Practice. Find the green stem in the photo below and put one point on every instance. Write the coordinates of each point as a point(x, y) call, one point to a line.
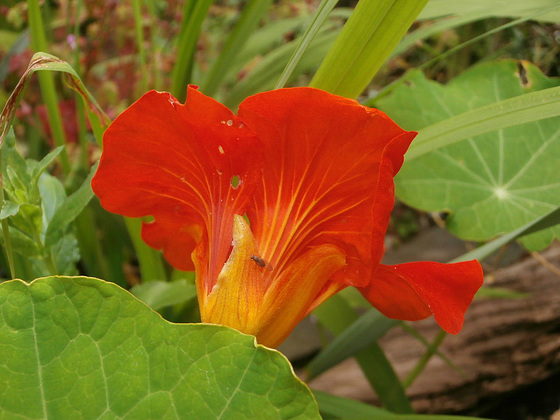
point(421, 364)
point(90, 249)
point(46, 254)
point(154, 51)
point(139, 30)
point(151, 265)
point(46, 82)
point(319, 18)
point(244, 27)
point(336, 314)
point(194, 13)
point(80, 109)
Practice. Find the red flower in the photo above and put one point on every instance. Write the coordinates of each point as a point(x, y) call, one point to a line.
point(312, 173)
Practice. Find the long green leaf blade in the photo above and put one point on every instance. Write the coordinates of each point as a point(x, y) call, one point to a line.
point(263, 75)
point(367, 39)
point(319, 18)
point(533, 106)
point(345, 408)
point(149, 259)
point(496, 8)
point(337, 315)
point(248, 21)
point(359, 335)
point(194, 13)
point(46, 82)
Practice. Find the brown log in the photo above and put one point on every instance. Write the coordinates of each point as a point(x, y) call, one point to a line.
point(506, 344)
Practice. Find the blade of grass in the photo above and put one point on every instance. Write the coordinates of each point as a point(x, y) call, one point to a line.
point(151, 265)
point(321, 14)
point(273, 35)
point(497, 29)
point(389, 88)
point(332, 406)
point(475, 14)
point(252, 13)
point(337, 315)
point(194, 13)
point(529, 107)
point(46, 82)
point(367, 329)
point(80, 109)
point(446, 23)
point(90, 248)
point(263, 75)
point(345, 408)
point(139, 33)
point(155, 50)
point(496, 8)
point(364, 44)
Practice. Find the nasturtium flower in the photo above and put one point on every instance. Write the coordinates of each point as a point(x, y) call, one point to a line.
point(276, 209)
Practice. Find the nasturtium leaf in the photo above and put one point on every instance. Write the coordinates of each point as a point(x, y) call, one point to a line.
point(82, 348)
point(491, 183)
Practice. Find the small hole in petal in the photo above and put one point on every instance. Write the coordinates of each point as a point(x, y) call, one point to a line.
point(235, 181)
point(229, 123)
point(221, 150)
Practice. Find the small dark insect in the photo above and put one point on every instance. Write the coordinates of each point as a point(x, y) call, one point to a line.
point(258, 260)
point(261, 263)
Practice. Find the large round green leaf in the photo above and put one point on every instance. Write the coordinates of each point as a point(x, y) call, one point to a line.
point(491, 183)
point(82, 348)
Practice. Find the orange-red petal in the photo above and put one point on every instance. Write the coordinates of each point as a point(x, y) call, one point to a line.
point(327, 179)
point(175, 162)
point(414, 291)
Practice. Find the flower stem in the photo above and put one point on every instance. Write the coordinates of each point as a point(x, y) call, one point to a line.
point(421, 364)
point(336, 314)
point(46, 82)
point(138, 26)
